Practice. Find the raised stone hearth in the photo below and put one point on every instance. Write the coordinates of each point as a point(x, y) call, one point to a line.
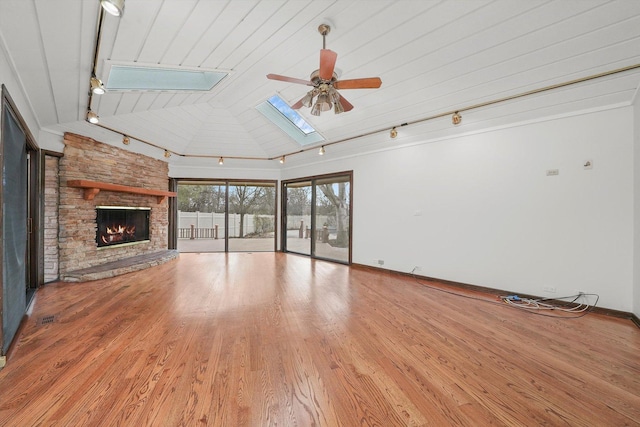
point(123, 266)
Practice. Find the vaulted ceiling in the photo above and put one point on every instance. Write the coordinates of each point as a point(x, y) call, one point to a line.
point(433, 57)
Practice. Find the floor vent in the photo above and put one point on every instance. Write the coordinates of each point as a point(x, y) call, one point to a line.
point(44, 320)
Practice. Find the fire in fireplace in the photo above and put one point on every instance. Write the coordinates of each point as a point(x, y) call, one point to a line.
point(117, 225)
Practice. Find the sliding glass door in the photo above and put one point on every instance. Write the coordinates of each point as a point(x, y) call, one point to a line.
point(19, 220)
point(317, 216)
point(297, 229)
point(252, 218)
point(226, 216)
point(332, 203)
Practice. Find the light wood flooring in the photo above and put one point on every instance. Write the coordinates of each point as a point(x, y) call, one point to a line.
point(269, 339)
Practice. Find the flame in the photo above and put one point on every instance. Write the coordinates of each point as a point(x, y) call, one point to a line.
point(118, 233)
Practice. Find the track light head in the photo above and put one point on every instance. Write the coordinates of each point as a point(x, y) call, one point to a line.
point(113, 7)
point(321, 152)
point(167, 153)
point(126, 140)
point(221, 161)
point(97, 88)
point(393, 133)
point(92, 117)
point(282, 159)
point(456, 119)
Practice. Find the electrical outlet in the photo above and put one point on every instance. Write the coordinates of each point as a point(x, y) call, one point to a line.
point(549, 289)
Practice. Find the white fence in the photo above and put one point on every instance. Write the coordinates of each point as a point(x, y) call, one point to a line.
point(205, 224)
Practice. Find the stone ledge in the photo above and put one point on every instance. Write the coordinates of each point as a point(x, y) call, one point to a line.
point(123, 266)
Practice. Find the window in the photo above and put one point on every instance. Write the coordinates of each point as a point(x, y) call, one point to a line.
point(279, 113)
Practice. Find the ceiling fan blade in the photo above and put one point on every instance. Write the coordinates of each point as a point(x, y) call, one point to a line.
point(289, 79)
point(345, 104)
point(366, 83)
point(327, 63)
point(297, 105)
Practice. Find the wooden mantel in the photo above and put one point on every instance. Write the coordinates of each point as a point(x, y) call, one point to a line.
point(91, 188)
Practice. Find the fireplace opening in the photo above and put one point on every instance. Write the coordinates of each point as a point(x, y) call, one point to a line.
point(118, 225)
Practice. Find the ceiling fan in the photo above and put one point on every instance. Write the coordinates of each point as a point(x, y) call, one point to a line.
point(325, 83)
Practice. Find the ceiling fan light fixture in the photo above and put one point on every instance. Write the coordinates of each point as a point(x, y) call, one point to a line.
point(92, 117)
point(334, 95)
point(97, 87)
point(315, 111)
point(307, 101)
point(324, 102)
point(113, 7)
point(338, 108)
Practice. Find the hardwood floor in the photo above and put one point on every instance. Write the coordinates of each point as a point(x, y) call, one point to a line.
point(272, 339)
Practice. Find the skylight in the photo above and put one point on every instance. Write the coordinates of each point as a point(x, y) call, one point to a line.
point(126, 77)
point(287, 119)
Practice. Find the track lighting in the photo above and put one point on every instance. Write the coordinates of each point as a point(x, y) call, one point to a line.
point(125, 140)
point(282, 159)
point(92, 117)
point(393, 132)
point(97, 87)
point(221, 161)
point(321, 152)
point(456, 118)
point(167, 153)
point(114, 7)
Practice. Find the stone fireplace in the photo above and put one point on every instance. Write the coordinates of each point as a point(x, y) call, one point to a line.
point(81, 209)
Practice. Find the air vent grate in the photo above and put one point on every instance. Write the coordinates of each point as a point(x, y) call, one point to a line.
point(44, 320)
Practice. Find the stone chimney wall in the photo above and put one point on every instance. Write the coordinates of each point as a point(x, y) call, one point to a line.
point(87, 159)
point(51, 202)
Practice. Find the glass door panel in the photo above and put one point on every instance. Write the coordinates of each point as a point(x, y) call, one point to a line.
point(201, 217)
point(298, 217)
point(252, 218)
point(332, 222)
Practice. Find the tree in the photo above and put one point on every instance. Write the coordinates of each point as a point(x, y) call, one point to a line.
point(340, 204)
point(242, 198)
point(201, 198)
point(298, 200)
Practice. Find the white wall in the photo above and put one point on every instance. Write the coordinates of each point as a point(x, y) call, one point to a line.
point(479, 208)
point(8, 78)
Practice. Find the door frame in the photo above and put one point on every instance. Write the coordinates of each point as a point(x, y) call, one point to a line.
point(283, 209)
point(226, 182)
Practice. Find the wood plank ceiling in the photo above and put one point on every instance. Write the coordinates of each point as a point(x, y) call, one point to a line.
point(432, 56)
